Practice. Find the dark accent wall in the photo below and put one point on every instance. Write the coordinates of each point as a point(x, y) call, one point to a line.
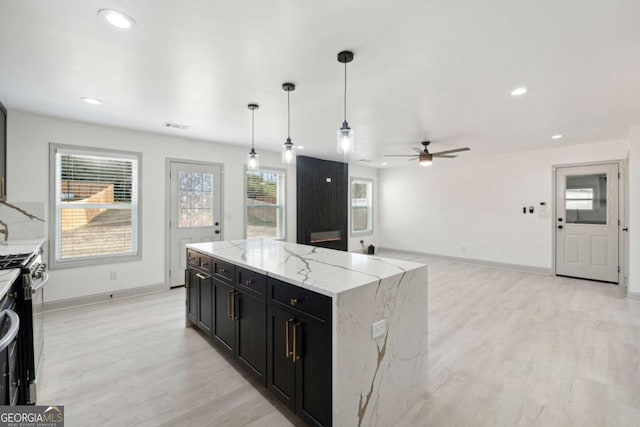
point(321, 205)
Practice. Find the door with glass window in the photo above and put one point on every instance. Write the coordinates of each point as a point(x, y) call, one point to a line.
point(196, 194)
point(587, 222)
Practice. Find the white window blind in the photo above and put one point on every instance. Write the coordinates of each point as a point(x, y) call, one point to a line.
point(361, 205)
point(265, 204)
point(96, 204)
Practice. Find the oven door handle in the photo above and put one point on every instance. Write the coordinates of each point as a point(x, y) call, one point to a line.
point(13, 329)
point(41, 284)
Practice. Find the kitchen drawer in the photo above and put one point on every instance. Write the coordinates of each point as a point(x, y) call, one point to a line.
point(224, 271)
point(252, 282)
point(205, 263)
point(304, 300)
point(192, 258)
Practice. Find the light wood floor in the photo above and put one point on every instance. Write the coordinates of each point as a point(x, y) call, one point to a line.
point(506, 349)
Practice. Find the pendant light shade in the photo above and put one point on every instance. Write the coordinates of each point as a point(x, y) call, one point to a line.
point(288, 149)
point(346, 138)
point(253, 159)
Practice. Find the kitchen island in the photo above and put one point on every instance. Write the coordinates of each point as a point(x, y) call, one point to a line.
point(346, 333)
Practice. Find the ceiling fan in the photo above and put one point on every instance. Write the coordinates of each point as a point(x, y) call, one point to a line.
point(425, 157)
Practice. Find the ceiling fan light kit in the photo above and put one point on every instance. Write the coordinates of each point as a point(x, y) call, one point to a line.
point(253, 159)
point(346, 138)
point(288, 149)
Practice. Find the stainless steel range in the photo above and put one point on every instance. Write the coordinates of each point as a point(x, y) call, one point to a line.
point(29, 306)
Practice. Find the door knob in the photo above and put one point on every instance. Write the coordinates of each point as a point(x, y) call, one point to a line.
point(217, 231)
point(560, 227)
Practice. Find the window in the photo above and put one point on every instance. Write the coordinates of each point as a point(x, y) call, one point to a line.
point(95, 205)
point(579, 198)
point(195, 193)
point(265, 204)
point(361, 206)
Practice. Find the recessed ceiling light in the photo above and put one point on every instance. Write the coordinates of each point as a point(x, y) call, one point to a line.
point(92, 101)
point(300, 147)
point(384, 163)
point(117, 19)
point(557, 136)
point(519, 91)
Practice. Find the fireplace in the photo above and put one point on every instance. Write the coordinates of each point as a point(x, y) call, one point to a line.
point(322, 203)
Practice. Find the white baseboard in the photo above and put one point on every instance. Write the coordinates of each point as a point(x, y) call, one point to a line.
point(102, 297)
point(503, 265)
point(633, 296)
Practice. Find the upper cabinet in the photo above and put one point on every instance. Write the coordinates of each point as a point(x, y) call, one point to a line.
point(3, 153)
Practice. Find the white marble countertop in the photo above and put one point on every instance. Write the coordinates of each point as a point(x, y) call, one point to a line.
point(15, 247)
point(325, 271)
point(7, 277)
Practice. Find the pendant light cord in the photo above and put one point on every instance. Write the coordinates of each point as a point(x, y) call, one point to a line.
point(253, 112)
point(345, 91)
point(288, 116)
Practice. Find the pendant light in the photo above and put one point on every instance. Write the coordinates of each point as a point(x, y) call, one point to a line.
point(288, 149)
point(253, 160)
point(346, 138)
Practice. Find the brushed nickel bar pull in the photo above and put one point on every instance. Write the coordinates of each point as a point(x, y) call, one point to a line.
point(2, 189)
point(202, 276)
point(287, 351)
point(229, 304)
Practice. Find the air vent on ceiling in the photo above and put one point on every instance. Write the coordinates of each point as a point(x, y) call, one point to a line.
point(365, 160)
point(175, 125)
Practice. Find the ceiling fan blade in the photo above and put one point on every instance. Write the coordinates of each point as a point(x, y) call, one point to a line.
point(419, 151)
point(446, 156)
point(400, 155)
point(453, 151)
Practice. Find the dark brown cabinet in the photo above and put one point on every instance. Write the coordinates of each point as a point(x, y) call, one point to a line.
point(278, 332)
point(223, 329)
point(199, 284)
point(251, 334)
point(299, 351)
point(3, 152)
point(239, 317)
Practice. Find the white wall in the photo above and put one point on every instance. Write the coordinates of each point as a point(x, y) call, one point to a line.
point(359, 171)
point(28, 159)
point(472, 207)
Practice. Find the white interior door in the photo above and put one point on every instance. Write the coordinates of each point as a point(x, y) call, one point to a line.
point(196, 194)
point(587, 222)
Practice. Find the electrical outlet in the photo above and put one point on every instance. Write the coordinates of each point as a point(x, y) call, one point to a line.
point(113, 275)
point(378, 328)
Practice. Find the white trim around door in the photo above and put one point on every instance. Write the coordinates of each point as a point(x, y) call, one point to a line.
point(168, 207)
point(573, 238)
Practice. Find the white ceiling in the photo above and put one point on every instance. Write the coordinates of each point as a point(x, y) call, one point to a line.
point(439, 70)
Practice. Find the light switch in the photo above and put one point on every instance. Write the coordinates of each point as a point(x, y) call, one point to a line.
point(378, 328)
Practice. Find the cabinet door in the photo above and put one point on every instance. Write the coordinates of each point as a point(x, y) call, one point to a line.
point(251, 334)
point(192, 295)
point(205, 304)
point(313, 372)
point(280, 367)
point(223, 328)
